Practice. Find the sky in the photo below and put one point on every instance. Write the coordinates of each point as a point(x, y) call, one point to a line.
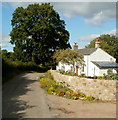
point(84, 20)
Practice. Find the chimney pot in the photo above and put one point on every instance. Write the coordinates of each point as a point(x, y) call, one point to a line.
point(97, 43)
point(75, 46)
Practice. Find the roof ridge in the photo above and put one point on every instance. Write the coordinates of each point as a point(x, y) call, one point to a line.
point(87, 51)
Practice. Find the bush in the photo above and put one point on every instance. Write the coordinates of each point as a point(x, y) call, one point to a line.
point(12, 68)
point(99, 77)
point(61, 71)
point(111, 76)
point(89, 97)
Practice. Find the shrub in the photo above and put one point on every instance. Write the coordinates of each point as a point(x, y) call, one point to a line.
point(61, 71)
point(89, 97)
point(110, 75)
point(99, 77)
point(81, 95)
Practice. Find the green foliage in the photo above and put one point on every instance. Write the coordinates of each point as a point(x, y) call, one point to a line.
point(111, 75)
point(61, 71)
point(69, 56)
point(109, 43)
point(37, 32)
point(98, 77)
point(13, 68)
point(82, 75)
point(89, 97)
point(7, 55)
point(69, 72)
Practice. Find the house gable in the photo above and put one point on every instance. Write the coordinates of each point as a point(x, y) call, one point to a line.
point(101, 55)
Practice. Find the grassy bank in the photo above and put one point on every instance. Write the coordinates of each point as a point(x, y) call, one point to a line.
point(13, 68)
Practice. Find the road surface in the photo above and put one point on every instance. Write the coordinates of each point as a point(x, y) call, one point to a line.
point(23, 98)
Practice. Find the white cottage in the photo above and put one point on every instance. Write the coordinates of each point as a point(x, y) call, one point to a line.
point(97, 62)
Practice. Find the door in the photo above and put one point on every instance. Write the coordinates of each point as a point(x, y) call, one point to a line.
point(77, 70)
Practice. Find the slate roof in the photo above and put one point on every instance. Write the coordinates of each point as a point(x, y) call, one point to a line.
point(104, 64)
point(87, 51)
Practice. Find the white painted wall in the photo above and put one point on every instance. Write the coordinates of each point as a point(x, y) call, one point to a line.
point(103, 71)
point(90, 69)
point(62, 65)
point(100, 55)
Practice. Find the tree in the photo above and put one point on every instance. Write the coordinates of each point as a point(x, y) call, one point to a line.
point(7, 55)
point(108, 43)
point(37, 32)
point(69, 56)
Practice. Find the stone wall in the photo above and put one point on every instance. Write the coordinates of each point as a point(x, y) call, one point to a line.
point(100, 89)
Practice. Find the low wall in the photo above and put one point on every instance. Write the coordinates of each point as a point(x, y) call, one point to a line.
point(100, 89)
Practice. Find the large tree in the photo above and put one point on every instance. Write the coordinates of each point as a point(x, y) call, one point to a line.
point(37, 32)
point(108, 43)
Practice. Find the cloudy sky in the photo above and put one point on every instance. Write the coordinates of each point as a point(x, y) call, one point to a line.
point(84, 20)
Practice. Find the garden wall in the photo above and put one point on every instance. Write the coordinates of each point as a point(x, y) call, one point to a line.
point(100, 89)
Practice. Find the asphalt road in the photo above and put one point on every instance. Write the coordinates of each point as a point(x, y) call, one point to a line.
point(23, 98)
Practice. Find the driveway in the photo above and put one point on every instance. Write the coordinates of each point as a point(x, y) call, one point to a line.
point(23, 98)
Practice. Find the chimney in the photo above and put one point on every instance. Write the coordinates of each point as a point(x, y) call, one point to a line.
point(97, 43)
point(75, 46)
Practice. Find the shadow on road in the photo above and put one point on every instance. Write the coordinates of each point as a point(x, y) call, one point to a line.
point(12, 106)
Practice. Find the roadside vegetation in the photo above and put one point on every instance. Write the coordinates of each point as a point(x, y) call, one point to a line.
point(57, 88)
point(110, 75)
point(11, 67)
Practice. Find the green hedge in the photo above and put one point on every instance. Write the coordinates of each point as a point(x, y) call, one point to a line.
point(13, 68)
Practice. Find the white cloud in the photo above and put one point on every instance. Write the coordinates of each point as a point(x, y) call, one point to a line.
point(114, 32)
point(5, 37)
point(94, 13)
point(91, 37)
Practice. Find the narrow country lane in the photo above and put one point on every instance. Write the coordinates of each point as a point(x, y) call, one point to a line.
point(23, 98)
